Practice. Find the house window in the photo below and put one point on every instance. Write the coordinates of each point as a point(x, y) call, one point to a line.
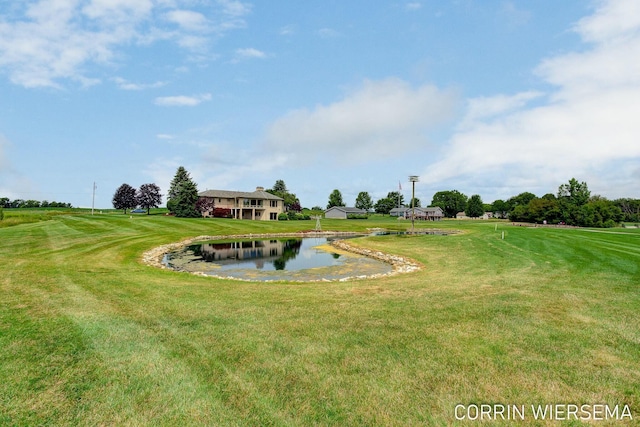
point(252, 203)
point(274, 203)
point(273, 216)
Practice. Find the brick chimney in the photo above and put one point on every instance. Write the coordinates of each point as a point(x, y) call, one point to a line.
point(259, 188)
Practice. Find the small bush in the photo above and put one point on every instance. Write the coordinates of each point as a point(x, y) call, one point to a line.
point(293, 216)
point(357, 216)
point(1, 214)
point(222, 213)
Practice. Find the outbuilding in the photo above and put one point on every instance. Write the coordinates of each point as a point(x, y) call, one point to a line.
point(343, 212)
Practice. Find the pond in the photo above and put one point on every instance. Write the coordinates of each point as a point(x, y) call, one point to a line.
point(291, 259)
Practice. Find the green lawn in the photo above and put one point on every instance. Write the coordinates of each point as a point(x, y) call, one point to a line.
point(90, 336)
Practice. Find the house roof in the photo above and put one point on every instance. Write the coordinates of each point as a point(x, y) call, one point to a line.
point(347, 209)
point(432, 210)
point(224, 194)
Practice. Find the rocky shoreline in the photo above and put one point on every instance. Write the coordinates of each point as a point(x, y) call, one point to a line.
point(400, 264)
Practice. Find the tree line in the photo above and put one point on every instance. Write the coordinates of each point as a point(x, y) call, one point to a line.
point(573, 204)
point(7, 203)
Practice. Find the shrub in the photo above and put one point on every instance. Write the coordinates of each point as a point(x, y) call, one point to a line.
point(293, 216)
point(221, 213)
point(1, 214)
point(357, 216)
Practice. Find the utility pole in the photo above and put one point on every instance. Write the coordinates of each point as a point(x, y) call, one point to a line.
point(93, 199)
point(413, 179)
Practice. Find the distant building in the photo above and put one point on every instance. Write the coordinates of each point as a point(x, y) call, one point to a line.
point(342, 212)
point(425, 214)
point(486, 215)
point(255, 205)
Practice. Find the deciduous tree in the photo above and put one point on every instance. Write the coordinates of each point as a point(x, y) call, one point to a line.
point(451, 202)
point(576, 193)
point(335, 199)
point(363, 201)
point(384, 206)
point(148, 196)
point(206, 204)
point(475, 207)
point(125, 198)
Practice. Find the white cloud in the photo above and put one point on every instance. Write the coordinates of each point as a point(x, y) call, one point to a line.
point(484, 108)
point(47, 42)
point(165, 136)
point(381, 118)
point(188, 19)
point(614, 19)
point(235, 8)
point(127, 85)
point(249, 53)
point(587, 127)
point(182, 100)
point(413, 5)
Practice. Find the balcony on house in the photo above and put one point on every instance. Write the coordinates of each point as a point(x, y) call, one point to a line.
point(252, 203)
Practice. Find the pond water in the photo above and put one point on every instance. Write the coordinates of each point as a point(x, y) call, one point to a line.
point(292, 259)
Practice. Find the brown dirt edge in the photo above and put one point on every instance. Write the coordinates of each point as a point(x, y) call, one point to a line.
point(400, 264)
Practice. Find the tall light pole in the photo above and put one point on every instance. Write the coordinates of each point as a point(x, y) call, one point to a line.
point(413, 179)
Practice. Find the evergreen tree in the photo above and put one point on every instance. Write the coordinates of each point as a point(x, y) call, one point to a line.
point(183, 195)
point(280, 187)
point(180, 177)
point(125, 198)
point(291, 201)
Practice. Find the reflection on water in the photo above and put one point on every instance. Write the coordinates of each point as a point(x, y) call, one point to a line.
point(273, 259)
point(273, 254)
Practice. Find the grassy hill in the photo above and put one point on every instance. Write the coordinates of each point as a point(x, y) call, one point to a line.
point(91, 336)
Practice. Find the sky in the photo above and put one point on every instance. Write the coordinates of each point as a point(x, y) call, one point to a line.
point(490, 97)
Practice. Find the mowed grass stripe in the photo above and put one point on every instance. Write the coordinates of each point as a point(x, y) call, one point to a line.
point(486, 320)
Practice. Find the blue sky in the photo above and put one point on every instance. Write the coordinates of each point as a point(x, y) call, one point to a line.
point(487, 97)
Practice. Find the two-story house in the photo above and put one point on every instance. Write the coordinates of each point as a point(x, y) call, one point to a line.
point(256, 205)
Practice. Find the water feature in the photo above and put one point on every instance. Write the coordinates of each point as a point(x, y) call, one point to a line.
point(291, 259)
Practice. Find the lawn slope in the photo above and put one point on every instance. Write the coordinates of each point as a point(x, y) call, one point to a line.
point(91, 336)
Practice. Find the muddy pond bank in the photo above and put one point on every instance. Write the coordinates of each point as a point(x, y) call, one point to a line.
point(354, 261)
